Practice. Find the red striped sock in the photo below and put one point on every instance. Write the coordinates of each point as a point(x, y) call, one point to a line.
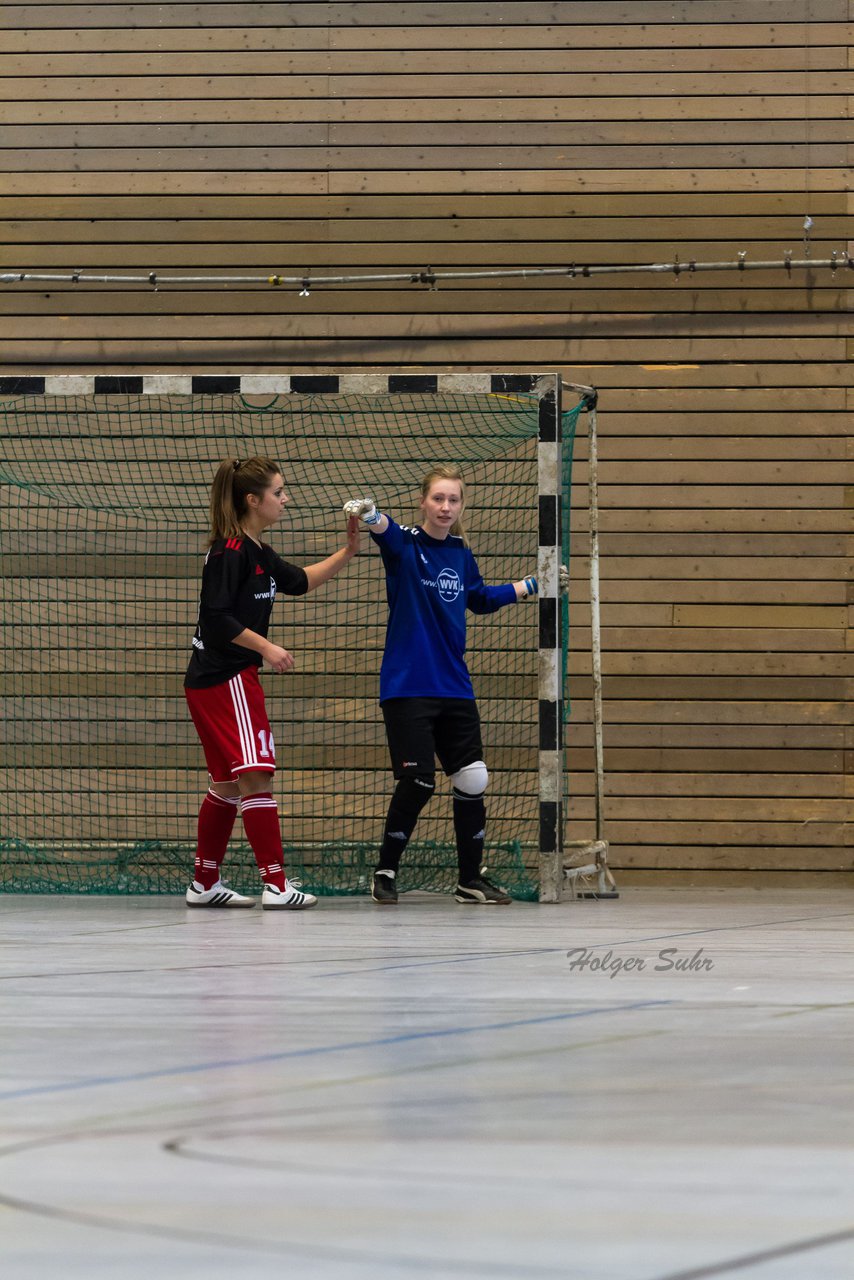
point(216, 821)
point(261, 822)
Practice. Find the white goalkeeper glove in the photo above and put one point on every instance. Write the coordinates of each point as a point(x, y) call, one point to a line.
point(364, 509)
point(532, 586)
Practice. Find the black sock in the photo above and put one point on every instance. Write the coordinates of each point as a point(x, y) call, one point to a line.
point(410, 797)
point(395, 840)
point(469, 826)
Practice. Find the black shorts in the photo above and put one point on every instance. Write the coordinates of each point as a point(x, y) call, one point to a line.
point(419, 729)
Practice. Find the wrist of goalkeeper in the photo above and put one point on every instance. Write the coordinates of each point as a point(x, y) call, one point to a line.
point(529, 587)
point(364, 509)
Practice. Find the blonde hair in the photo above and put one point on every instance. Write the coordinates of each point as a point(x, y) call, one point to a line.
point(232, 483)
point(447, 471)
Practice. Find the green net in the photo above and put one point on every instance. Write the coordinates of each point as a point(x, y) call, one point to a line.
point(103, 526)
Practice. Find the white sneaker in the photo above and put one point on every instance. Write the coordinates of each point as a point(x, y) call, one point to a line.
point(217, 896)
point(292, 899)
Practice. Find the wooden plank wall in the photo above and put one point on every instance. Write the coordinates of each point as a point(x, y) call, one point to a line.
point(250, 138)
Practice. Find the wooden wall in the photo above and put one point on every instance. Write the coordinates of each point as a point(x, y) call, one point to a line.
point(368, 137)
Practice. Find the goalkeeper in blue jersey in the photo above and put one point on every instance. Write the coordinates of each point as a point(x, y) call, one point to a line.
point(426, 693)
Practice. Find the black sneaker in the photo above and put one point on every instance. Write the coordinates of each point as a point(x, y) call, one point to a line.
point(383, 888)
point(482, 890)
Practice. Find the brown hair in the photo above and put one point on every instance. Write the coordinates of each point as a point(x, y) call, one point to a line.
point(231, 484)
point(447, 471)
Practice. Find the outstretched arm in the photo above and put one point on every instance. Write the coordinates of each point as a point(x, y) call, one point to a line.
point(481, 598)
point(365, 509)
point(321, 572)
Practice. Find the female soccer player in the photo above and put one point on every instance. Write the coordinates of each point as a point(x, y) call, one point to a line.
point(239, 583)
point(426, 693)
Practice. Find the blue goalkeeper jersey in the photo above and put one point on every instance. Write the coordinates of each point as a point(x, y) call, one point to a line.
point(429, 584)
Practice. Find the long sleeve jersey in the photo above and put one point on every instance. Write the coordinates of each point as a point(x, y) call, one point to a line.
point(429, 585)
point(239, 584)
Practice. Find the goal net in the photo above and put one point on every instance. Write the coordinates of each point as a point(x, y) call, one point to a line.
point(103, 528)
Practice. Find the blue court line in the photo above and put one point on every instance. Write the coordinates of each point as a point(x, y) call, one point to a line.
point(225, 1064)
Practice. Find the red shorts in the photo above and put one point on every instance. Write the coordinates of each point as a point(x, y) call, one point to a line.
point(231, 720)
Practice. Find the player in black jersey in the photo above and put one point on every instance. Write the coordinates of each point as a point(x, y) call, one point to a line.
point(240, 580)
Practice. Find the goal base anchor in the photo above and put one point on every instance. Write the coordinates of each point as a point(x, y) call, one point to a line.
point(592, 879)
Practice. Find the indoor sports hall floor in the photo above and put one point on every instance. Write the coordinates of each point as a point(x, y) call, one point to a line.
point(358, 1092)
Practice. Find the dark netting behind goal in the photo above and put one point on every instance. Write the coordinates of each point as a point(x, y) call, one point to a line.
point(103, 526)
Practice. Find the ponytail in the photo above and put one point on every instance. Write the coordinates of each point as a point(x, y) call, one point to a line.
point(231, 484)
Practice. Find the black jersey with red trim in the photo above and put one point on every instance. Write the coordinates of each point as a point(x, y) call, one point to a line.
point(239, 584)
